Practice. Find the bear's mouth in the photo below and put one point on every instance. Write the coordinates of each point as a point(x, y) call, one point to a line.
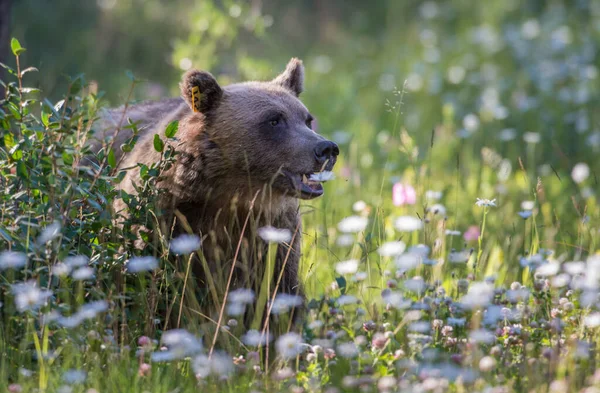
point(307, 185)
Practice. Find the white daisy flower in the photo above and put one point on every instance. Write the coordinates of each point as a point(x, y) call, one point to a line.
point(408, 224)
point(12, 260)
point(289, 345)
point(359, 206)
point(83, 273)
point(141, 264)
point(347, 350)
point(580, 172)
point(353, 224)
point(322, 176)
point(185, 244)
point(219, 364)
point(254, 338)
point(49, 233)
point(391, 249)
point(274, 235)
point(486, 202)
point(28, 296)
point(347, 267)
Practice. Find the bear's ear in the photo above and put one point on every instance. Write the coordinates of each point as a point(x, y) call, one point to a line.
point(200, 90)
point(293, 77)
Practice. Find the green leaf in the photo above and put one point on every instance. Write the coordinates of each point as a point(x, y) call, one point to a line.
point(22, 170)
point(29, 69)
point(16, 47)
point(159, 145)
point(172, 129)
point(45, 118)
point(5, 235)
point(112, 161)
point(143, 171)
point(29, 90)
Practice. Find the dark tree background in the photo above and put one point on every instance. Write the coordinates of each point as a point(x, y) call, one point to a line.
point(4, 36)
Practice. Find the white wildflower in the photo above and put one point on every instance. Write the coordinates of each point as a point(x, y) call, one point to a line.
point(532, 137)
point(236, 309)
point(284, 302)
point(12, 260)
point(487, 363)
point(548, 269)
point(480, 294)
point(28, 296)
point(219, 364)
point(359, 206)
point(396, 300)
point(574, 268)
point(180, 344)
point(592, 320)
point(289, 345)
point(459, 256)
point(347, 299)
point(408, 261)
point(185, 244)
point(391, 249)
point(87, 311)
point(485, 202)
point(347, 267)
point(316, 324)
point(141, 264)
point(415, 284)
point(345, 240)
point(421, 250)
point(482, 336)
point(322, 176)
point(438, 209)
point(408, 224)
point(49, 233)
point(527, 205)
point(241, 295)
point(433, 195)
point(274, 235)
point(254, 338)
point(61, 269)
point(360, 276)
point(76, 261)
point(347, 350)
point(580, 172)
point(83, 273)
point(353, 224)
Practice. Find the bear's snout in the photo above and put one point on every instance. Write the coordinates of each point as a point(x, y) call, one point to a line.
point(326, 152)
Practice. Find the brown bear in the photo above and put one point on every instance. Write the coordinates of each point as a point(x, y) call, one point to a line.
point(245, 153)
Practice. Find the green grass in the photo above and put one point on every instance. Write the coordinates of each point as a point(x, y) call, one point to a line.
point(389, 328)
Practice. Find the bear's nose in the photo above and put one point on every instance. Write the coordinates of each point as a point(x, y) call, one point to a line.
point(325, 151)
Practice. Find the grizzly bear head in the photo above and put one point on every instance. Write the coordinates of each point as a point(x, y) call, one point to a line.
point(260, 133)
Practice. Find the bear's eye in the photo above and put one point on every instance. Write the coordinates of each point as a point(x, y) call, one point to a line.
point(309, 122)
point(274, 122)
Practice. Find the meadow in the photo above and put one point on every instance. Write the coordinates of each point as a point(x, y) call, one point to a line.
point(455, 249)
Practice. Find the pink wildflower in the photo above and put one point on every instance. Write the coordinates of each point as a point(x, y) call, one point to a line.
point(403, 194)
point(472, 233)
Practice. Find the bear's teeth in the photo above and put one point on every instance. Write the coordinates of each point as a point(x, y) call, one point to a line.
point(304, 179)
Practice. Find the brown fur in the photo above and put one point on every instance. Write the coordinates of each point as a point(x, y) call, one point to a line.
point(229, 152)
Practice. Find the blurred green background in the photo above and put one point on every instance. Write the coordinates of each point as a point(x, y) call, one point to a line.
point(495, 99)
